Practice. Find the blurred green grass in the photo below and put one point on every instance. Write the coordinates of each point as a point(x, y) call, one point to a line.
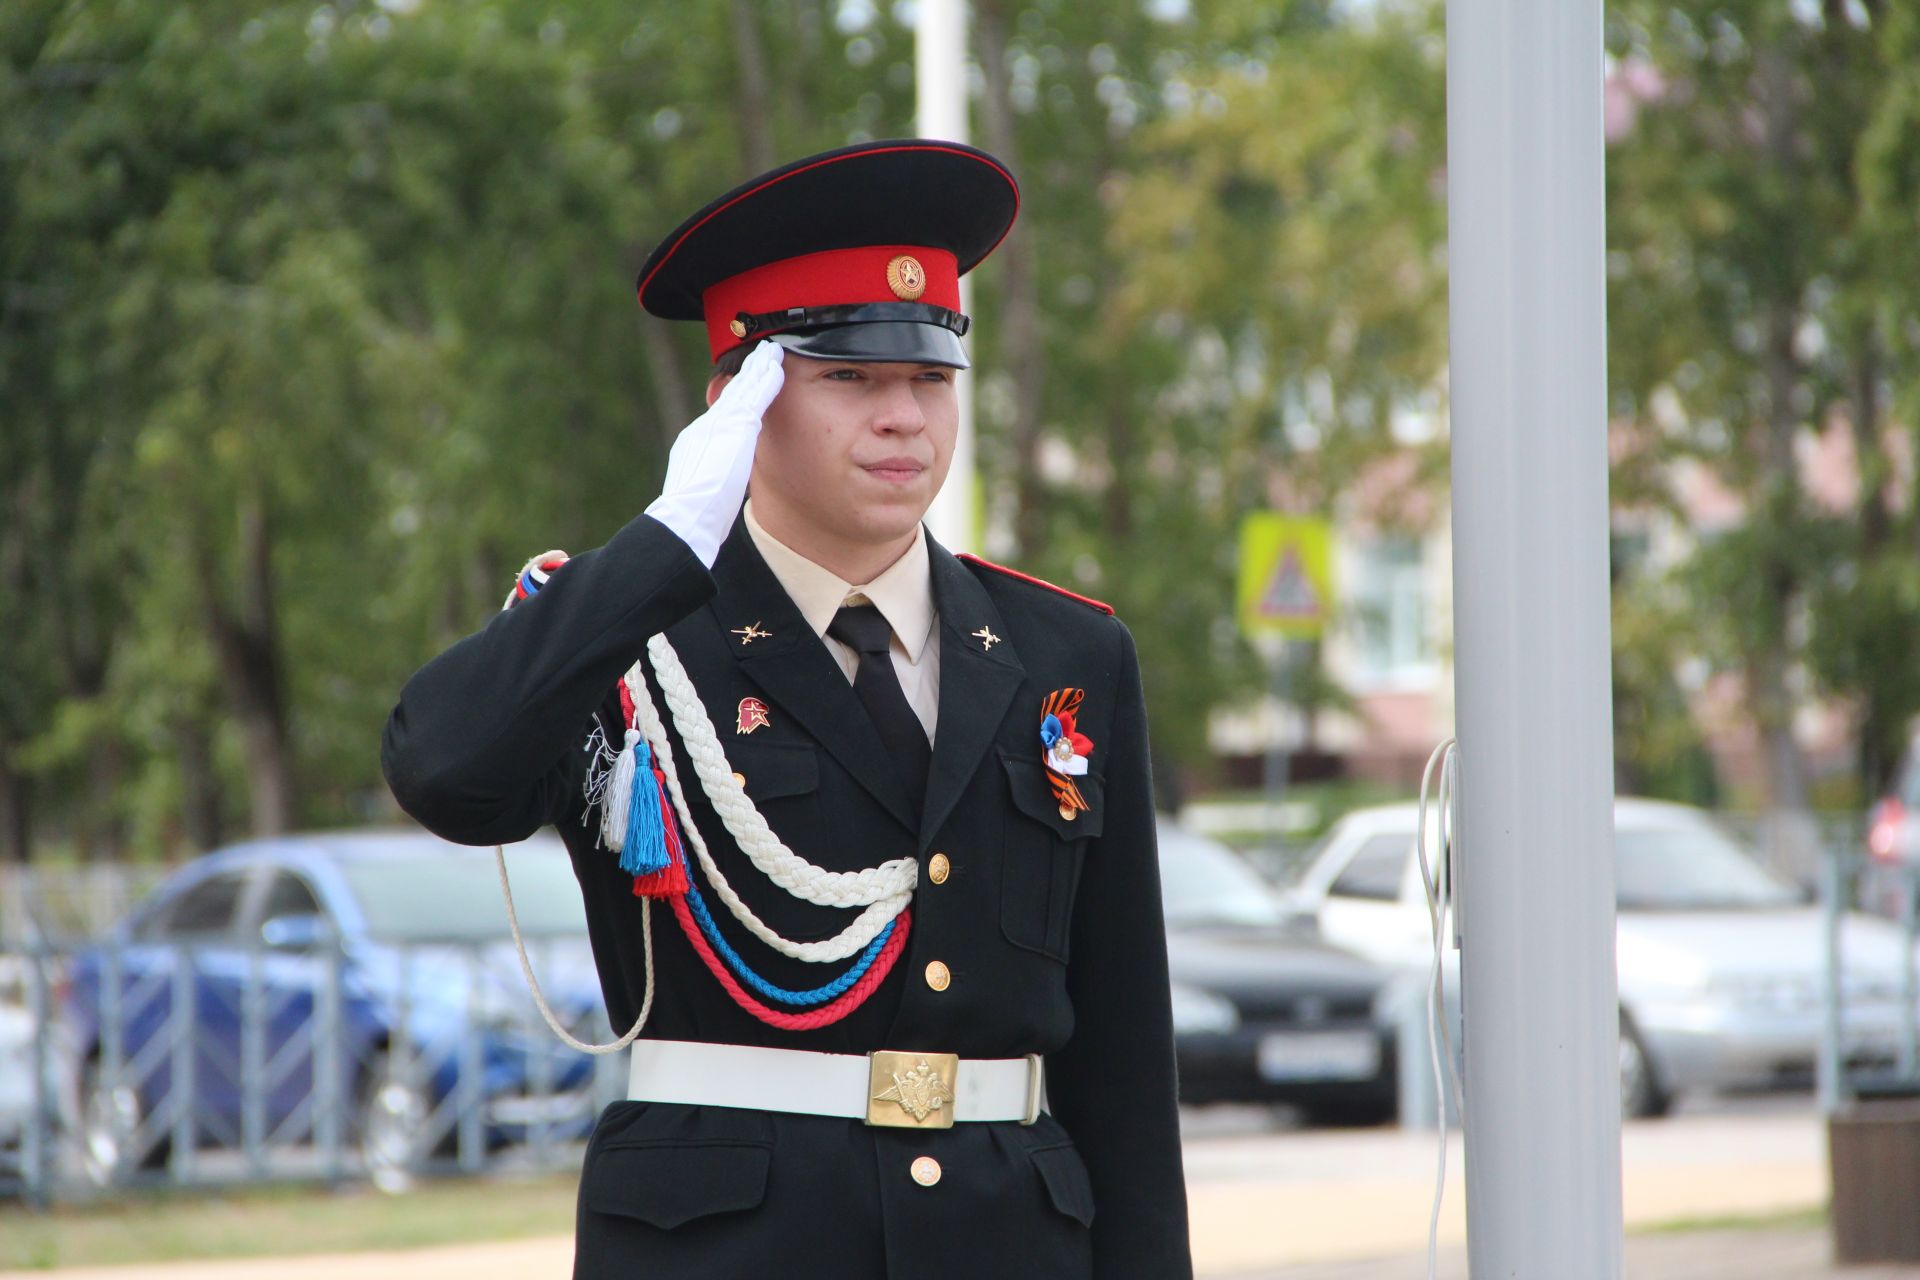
point(284, 1220)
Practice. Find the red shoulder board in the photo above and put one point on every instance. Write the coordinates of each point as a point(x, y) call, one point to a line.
point(970, 558)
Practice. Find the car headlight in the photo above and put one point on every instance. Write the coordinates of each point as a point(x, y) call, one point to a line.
point(1195, 1010)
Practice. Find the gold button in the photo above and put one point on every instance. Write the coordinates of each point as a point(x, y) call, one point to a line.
point(926, 1171)
point(737, 327)
point(937, 976)
point(1068, 812)
point(937, 868)
point(740, 779)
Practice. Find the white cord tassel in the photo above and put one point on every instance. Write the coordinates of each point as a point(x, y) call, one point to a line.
point(619, 795)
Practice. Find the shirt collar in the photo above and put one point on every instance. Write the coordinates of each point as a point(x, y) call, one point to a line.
point(903, 592)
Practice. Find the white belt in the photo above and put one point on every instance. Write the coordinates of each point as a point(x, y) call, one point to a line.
point(889, 1088)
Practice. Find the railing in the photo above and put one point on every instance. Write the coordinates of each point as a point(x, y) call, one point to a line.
point(1872, 1061)
point(128, 1063)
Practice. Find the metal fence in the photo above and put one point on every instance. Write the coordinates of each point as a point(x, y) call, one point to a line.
point(127, 1062)
point(1881, 1057)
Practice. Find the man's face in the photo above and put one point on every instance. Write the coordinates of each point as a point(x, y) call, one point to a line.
point(856, 450)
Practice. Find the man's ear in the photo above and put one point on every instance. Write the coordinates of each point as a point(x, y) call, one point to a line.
point(715, 385)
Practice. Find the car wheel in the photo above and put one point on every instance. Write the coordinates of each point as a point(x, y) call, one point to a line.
point(390, 1124)
point(1641, 1097)
point(110, 1120)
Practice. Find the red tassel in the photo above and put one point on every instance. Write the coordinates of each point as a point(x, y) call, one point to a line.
point(671, 880)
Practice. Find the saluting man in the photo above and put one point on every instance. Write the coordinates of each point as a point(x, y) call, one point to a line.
point(904, 994)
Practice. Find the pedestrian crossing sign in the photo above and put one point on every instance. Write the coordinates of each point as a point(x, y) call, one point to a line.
point(1286, 576)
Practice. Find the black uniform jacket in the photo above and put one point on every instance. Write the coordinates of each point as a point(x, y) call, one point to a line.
point(1051, 929)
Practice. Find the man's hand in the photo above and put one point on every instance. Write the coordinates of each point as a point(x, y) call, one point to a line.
point(708, 466)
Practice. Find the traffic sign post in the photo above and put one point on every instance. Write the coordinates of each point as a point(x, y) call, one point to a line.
point(1284, 597)
point(1286, 577)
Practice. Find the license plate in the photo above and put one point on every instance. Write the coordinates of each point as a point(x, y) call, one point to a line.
point(1319, 1055)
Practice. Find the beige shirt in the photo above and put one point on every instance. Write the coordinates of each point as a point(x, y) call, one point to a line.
point(904, 595)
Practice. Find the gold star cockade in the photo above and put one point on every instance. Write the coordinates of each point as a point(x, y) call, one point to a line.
point(986, 637)
point(920, 1092)
point(751, 632)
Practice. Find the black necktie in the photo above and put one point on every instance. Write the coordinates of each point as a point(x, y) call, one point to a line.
point(864, 629)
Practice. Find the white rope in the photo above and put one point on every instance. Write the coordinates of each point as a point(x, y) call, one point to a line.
point(744, 820)
point(884, 890)
point(1438, 882)
point(526, 967)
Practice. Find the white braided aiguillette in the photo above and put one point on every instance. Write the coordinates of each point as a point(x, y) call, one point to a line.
point(884, 890)
point(744, 821)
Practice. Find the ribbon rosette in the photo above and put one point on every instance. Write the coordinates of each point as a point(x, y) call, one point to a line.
point(1066, 749)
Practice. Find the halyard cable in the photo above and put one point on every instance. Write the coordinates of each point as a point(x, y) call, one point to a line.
point(1438, 882)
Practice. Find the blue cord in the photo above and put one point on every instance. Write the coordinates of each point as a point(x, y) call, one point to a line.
point(766, 988)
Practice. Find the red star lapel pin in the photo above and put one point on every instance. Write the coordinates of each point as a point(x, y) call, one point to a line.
point(752, 715)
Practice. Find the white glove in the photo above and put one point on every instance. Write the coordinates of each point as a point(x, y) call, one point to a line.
point(708, 466)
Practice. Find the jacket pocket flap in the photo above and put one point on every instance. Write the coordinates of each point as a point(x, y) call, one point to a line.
point(667, 1184)
point(1033, 795)
point(776, 768)
point(1065, 1174)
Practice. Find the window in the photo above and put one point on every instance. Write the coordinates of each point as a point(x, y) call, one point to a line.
point(202, 911)
point(1377, 870)
point(1389, 609)
point(289, 896)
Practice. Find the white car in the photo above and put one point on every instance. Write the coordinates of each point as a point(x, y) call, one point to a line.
point(1721, 964)
point(17, 1054)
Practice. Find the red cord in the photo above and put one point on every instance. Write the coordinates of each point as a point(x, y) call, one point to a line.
point(825, 1015)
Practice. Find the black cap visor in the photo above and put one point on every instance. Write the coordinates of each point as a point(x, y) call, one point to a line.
point(880, 342)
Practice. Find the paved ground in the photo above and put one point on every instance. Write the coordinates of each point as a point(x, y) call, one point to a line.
point(1695, 1255)
point(1332, 1206)
point(1262, 1201)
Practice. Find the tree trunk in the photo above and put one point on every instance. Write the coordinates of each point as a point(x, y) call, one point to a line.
point(756, 97)
point(1876, 521)
point(16, 825)
point(246, 638)
point(201, 817)
point(1022, 347)
point(1770, 662)
point(672, 402)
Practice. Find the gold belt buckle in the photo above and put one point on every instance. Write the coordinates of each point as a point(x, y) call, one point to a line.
point(911, 1090)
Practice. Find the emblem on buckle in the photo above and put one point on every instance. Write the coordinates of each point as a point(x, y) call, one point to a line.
point(919, 1085)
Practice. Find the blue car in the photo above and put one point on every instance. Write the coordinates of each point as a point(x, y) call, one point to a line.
point(352, 993)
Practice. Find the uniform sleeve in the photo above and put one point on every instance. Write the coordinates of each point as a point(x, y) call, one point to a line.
point(478, 749)
point(1113, 1084)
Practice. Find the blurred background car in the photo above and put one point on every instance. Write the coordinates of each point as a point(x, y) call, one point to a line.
point(1888, 879)
point(17, 1056)
point(1721, 963)
point(390, 945)
point(1264, 1010)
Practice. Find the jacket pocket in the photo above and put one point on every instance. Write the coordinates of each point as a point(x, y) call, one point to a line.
point(1065, 1175)
point(776, 769)
point(667, 1184)
point(1041, 856)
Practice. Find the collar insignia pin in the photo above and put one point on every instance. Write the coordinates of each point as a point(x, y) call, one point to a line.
point(986, 638)
point(752, 715)
point(751, 632)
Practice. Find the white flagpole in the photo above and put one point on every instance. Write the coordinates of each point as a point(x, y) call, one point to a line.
point(940, 111)
point(1535, 835)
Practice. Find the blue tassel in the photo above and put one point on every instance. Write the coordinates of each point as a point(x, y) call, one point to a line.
point(644, 851)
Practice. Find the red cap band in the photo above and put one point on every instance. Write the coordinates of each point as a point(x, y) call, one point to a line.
point(832, 278)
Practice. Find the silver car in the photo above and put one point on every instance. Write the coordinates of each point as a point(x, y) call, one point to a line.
point(1721, 964)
